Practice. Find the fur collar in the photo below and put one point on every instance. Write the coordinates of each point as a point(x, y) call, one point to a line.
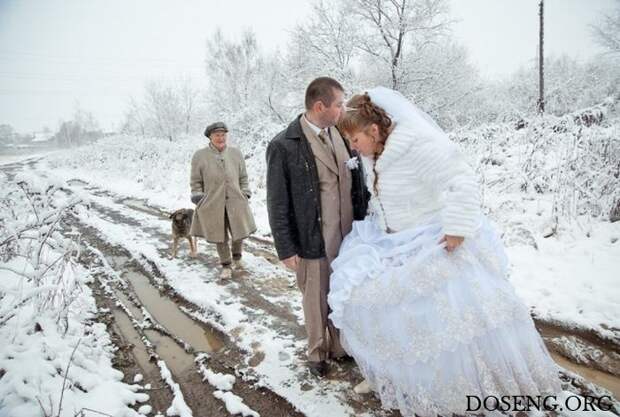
point(397, 146)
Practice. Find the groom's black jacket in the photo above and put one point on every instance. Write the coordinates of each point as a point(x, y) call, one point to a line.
point(293, 195)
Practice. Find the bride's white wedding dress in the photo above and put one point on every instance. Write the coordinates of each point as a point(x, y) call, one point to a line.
point(427, 327)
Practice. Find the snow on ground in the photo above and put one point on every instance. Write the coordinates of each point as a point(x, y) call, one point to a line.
point(179, 406)
point(576, 282)
point(224, 383)
point(55, 359)
point(223, 309)
point(11, 156)
point(234, 404)
point(35, 362)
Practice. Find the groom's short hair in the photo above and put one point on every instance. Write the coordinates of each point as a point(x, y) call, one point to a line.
point(322, 89)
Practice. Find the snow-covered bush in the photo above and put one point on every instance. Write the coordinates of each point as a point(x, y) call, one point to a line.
point(548, 172)
point(31, 217)
point(55, 360)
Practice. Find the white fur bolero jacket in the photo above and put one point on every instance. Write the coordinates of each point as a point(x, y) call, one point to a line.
point(422, 179)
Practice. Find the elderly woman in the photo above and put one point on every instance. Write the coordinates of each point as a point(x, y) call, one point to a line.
point(419, 289)
point(219, 184)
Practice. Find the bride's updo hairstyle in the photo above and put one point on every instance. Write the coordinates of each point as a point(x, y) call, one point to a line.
point(359, 114)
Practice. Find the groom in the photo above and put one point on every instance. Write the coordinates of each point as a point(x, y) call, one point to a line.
point(312, 198)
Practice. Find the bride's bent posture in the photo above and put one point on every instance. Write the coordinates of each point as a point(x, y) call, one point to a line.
point(419, 289)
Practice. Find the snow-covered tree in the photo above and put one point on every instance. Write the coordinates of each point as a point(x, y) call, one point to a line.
point(607, 30)
point(162, 106)
point(570, 85)
point(403, 44)
point(234, 70)
point(326, 44)
point(6, 133)
point(398, 34)
point(167, 110)
point(81, 129)
point(446, 83)
point(246, 89)
point(135, 118)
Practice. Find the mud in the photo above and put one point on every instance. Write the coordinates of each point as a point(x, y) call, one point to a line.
point(168, 314)
point(175, 338)
point(582, 347)
point(607, 381)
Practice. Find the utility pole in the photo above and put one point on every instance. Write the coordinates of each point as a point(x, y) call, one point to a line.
point(541, 58)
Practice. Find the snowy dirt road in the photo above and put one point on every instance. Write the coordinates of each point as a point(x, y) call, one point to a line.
point(219, 347)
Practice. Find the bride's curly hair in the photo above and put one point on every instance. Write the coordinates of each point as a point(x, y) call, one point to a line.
point(360, 113)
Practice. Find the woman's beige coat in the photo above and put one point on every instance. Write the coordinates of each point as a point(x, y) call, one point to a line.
point(222, 178)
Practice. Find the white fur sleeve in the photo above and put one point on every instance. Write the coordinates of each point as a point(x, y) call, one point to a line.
point(443, 165)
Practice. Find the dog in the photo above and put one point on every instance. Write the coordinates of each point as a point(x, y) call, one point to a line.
point(181, 225)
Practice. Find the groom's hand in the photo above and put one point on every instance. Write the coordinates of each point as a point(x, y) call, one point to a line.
point(452, 242)
point(292, 262)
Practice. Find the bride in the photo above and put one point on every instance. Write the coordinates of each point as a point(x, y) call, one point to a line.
point(419, 288)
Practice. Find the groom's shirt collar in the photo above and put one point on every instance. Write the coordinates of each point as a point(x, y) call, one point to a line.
point(314, 127)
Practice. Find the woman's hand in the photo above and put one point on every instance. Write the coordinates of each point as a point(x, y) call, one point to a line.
point(452, 242)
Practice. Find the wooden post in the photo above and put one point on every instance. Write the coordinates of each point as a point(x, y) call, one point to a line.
point(541, 58)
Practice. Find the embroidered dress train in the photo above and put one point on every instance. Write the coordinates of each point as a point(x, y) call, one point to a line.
point(427, 327)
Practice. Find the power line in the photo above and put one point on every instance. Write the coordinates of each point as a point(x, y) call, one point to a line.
point(76, 77)
point(108, 59)
point(9, 92)
point(69, 77)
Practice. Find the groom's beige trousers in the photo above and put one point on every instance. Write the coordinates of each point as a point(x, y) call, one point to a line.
point(336, 218)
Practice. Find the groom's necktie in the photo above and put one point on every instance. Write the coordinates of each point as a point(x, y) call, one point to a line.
point(327, 142)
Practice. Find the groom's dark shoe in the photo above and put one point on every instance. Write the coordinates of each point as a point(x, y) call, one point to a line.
point(318, 369)
point(343, 359)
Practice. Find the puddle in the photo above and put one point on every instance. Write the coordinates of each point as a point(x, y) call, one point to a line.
point(595, 356)
point(577, 348)
point(178, 360)
point(168, 314)
point(125, 326)
point(137, 313)
point(610, 382)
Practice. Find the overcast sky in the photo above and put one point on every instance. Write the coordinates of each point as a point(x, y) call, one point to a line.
point(56, 55)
